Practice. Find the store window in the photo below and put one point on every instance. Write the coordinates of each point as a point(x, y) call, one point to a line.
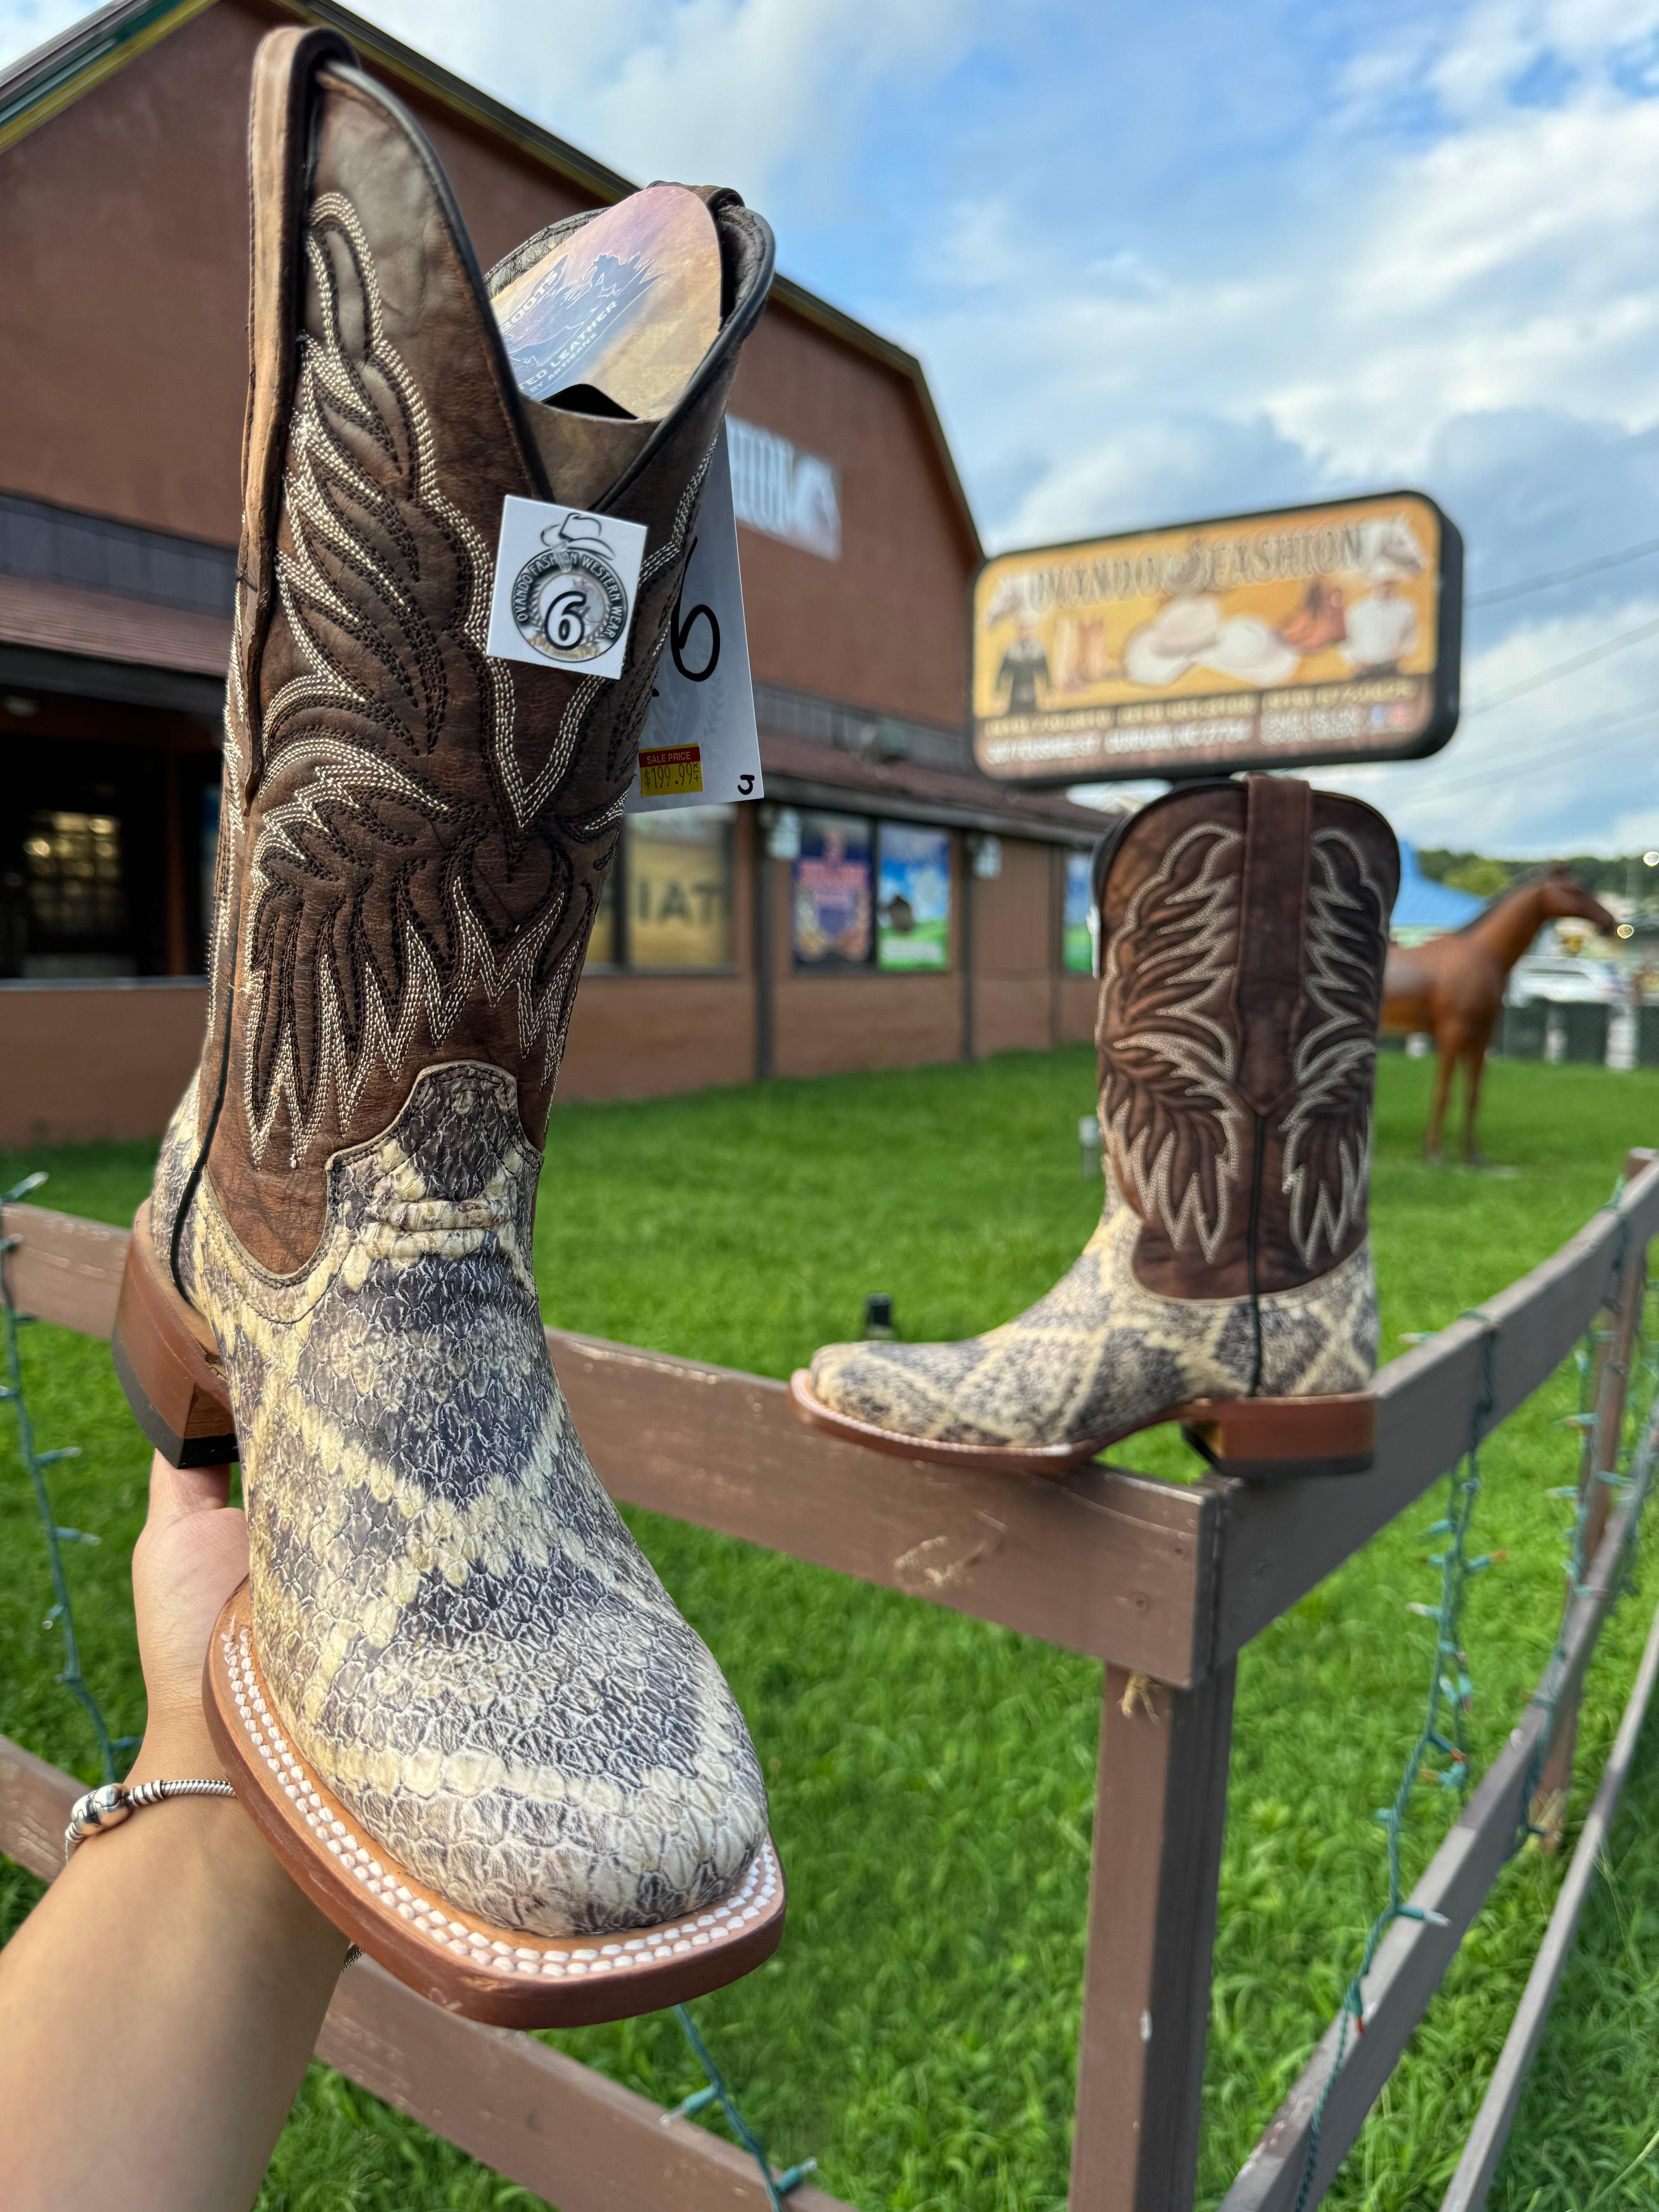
point(679, 888)
point(208, 858)
point(77, 894)
point(603, 949)
point(832, 904)
point(1077, 926)
point(667, 901)
point(913, 905)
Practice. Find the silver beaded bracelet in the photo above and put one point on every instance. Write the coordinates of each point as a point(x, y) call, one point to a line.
point(108, 1807)
point(115, 1802)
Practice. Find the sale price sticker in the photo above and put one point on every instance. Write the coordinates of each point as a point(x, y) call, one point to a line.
point(668, 770)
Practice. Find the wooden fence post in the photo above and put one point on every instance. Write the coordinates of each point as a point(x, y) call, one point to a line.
point(1161, 1815)
point(1601, 1455)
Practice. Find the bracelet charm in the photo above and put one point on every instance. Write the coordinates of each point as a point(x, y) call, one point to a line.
point(113, 1802)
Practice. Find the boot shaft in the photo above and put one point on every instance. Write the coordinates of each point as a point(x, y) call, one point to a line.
point(416, 837)
point(1244, 931)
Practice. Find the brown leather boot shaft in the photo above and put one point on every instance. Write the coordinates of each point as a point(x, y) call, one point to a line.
point(1244, 931)
point(416, 836)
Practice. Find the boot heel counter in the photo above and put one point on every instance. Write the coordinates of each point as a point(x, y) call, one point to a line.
point(167, 1361)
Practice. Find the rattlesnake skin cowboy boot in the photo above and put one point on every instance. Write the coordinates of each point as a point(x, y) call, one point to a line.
point(453, 1694)
point(1244, 929)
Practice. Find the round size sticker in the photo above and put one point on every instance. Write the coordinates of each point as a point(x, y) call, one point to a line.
point(568, 601)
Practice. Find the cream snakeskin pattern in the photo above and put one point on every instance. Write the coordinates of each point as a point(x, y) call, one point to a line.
point(474, 1655)
point(1100, 1355)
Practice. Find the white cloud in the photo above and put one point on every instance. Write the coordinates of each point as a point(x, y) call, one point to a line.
point(740, 90)
point(26, 24)
point(1564, 768)
point(1501, 270)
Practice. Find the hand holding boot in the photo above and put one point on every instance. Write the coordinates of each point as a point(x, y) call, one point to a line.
point(159, 2006)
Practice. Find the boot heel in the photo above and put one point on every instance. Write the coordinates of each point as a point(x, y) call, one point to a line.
point(168, 1363)
point(1276, 1439)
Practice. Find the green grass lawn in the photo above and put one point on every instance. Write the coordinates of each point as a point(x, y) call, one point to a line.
point(931, 1778)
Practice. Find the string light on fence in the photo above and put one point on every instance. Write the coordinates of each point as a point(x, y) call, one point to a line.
point(1450, 1690)
point(1442, 1736)
point(776, 2186)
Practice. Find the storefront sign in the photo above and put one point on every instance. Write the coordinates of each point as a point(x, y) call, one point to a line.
point(1312, 634)
point(913, 907)
point(784, 492)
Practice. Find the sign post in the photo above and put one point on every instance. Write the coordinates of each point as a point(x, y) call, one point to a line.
point(1303, 637)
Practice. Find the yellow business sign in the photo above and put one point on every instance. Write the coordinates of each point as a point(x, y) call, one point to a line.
point(1313, 635)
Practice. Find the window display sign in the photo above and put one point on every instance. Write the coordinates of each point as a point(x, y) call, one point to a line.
point(832, 904)
point(783, 492)
point(1077, 936)
point(679, 888)
point(1313, 635)
point(913, 906)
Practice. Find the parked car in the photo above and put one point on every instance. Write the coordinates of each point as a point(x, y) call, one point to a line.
point(1564, 982)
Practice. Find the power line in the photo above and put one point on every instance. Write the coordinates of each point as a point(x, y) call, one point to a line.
point(1562, 575)
point(1564, 668)
point(1528, 763)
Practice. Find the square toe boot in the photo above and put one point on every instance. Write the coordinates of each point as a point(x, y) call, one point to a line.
point(1244, 930)
point(452, 1692)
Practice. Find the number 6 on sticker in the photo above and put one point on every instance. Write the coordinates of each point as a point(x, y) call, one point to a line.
point(564, 587)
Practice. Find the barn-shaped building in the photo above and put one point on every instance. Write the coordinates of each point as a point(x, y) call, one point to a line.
point(123, 366)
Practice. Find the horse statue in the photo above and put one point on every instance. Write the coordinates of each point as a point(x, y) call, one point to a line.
point(1453, 986)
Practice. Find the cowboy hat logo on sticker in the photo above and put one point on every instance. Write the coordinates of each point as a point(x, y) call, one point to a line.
point(564, 587)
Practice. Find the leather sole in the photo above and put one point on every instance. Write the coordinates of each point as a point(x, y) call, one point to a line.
point(168, 1363)
point(457, 1960)
point(1257, 1439)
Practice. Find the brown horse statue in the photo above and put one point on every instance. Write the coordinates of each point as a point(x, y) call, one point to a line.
point(1452, 987)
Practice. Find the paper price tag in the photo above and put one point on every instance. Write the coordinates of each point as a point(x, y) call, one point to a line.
point(565, 587)
point(700, 746)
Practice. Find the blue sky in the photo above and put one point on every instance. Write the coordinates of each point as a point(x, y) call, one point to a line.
point(1170, 261)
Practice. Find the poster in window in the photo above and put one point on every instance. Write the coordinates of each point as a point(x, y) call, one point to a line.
point(833, 904)
point(1077, 931)
point(679, 888)
point(913, 904)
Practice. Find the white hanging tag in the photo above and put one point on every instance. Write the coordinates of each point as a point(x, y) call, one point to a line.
point(565, 587)
point(700, 746)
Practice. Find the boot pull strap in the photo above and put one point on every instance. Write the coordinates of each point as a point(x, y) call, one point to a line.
point(1272, 925)
point(279, 150)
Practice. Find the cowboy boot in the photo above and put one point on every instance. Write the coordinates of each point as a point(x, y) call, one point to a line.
point(1242, 927)
point(453, 1694)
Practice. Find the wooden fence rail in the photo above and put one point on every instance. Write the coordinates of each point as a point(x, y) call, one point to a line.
point(587, 2144)
point(1164, 1581)
point(1484, 2147)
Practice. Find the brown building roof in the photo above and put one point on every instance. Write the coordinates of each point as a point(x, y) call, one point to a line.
point(122, 222)
point(43, 82)
point(103, 626)
point(803, 771)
